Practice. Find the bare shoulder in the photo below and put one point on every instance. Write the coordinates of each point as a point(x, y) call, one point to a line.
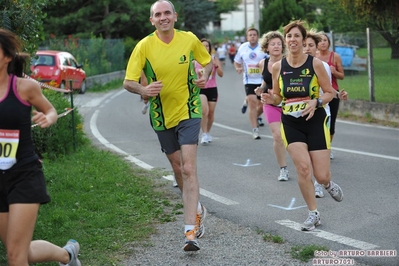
point(276, 66)
point(27, 88)
point(317, 62)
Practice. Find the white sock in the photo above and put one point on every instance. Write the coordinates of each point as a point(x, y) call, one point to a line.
point(188, 227)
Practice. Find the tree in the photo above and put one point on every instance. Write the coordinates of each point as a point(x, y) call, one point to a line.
point(106, 18)
point(327, 16)
point(278, 13)
point(225, 6)
point(25, 19)
point(382, 15)
point(195, 15)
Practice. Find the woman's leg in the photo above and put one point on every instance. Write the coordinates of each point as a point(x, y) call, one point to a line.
point(205, 112)
point(303, 165)
point(211, 115)
point(20, 223)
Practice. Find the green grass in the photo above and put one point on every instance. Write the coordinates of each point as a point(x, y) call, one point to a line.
point(386, 78)
point(104, 202)
point(113, 84)
point(305, 253)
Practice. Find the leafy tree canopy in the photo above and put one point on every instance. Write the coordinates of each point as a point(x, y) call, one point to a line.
point(24, 18)
point(381, 15)
point(195, 15)
point(278, 13)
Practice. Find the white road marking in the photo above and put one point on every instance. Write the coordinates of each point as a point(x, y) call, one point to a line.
point(366, 125)
point(319, 233)
point(209, 194)
point(335, 148)
point(105, 142)
point(329, 236)
point(217, 198)
point(290, 206)
point(247, 164)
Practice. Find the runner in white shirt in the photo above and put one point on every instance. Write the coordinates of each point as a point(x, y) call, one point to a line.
point(246, 62)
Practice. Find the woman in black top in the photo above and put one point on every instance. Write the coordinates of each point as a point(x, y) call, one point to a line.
point(22, 183)
point(296, 83)
point(272, 43)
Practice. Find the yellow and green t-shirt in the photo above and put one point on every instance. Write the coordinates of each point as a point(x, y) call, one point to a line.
point(172, 64)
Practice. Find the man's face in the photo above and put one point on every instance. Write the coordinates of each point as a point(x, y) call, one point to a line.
point(252, 37)
point(163, 17)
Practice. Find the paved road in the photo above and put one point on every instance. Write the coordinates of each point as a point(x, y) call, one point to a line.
point(238, 175)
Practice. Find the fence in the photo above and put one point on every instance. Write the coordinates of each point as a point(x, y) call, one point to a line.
point(370, 72)
point(97, 55)
point(374, 82)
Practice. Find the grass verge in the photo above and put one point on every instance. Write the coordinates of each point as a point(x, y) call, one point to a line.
point(113, 84)
point(104, 202)
point(385, 78)
point(305, 253)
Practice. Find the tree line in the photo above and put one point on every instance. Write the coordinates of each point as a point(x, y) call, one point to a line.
point(36, 20)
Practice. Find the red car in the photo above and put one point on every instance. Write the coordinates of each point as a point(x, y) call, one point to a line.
point(57, 69)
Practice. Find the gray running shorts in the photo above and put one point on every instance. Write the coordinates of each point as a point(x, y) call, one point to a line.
point(185, 133)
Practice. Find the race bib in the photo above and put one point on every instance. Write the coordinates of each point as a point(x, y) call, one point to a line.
point(295, 106)
point(253, 71)
point(9, 140)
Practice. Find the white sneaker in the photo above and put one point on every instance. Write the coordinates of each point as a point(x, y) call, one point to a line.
point(318, 190)
point(174, 184)
point(284, 173)
point(209, 138)
point(145, 108)
point(255, 134)
point(312, 221)
point(72, 247)
point(335, 191)
point(204, 139)
point(331, 155)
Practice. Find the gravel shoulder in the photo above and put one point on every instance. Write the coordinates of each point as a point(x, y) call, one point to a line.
point(224, 243)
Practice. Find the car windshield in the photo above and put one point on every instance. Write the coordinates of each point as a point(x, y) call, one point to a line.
point(43, 60)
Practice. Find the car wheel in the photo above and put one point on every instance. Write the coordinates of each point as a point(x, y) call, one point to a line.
point(63, 87)
point(83, 87)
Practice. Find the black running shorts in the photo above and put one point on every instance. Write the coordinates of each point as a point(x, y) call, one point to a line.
point(25, 184)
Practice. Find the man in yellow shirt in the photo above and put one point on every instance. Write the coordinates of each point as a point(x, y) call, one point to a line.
point(166, 57)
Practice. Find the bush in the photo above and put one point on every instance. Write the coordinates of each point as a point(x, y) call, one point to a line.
point(59, 139)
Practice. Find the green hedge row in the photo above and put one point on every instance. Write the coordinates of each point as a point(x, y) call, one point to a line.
point(65, 135)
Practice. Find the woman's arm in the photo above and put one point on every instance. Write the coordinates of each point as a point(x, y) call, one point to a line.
point(218, 66)
point(45, 114)
point(337, 70)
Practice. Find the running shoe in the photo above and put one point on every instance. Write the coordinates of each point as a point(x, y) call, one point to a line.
point(244, 107)
point(284, 173)
point(73, 247)
point(318, 190)
point(191, 242)
point(145, 108)
point(209, 138)
point(312, 221)
point(174, 184)
point(199, 222)
point(260, 122)
point(335, 191)
point(255, 134)
point(331, 155)
point(204, 139)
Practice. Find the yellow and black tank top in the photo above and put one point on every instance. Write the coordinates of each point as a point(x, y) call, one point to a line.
point(296, 85)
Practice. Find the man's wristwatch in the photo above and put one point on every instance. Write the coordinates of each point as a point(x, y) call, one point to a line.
point(319, 102)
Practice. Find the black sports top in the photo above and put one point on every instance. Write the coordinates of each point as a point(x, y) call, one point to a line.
point(16, 144)
point(267, 76)
point(297, 85)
